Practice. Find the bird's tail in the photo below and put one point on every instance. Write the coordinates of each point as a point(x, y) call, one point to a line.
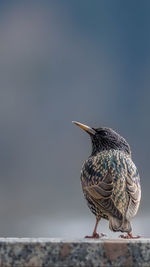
point(117, 225)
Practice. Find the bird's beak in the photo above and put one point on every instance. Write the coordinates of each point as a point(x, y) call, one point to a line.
point(85, 127)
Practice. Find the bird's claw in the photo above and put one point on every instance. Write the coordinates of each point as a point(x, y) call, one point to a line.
point(129, 236)
point(95, 235)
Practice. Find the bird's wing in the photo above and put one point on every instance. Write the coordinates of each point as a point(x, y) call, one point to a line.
point(101, 195)
point(117, 192)
point(98, 183)
point(133, 189)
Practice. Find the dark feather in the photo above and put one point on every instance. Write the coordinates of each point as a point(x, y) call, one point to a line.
point(114, 190)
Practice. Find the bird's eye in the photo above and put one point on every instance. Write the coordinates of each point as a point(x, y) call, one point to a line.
point(103, 133)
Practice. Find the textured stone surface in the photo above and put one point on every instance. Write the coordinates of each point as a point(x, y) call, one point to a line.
point(43, 252)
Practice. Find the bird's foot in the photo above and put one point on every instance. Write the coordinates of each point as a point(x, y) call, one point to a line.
point(129, 236)
point(95, 235)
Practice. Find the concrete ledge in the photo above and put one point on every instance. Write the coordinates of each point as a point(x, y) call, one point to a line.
point(54, 252)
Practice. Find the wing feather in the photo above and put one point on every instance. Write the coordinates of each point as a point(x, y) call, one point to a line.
point(133, 189)
point(101, 196)
point(114, 188)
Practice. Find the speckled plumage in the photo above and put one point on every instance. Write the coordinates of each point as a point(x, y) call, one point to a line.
point(111, 186)
point(110, 180)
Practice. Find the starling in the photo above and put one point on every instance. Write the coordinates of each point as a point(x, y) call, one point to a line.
point(110, 180)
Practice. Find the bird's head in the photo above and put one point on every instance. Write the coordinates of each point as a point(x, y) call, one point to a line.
point(105, 139)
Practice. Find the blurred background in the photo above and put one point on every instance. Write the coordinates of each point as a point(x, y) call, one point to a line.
point(61, 61)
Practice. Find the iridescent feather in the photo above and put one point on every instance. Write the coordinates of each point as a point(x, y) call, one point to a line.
point(111, 186)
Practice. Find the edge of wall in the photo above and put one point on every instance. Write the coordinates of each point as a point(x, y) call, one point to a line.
point(43, 252)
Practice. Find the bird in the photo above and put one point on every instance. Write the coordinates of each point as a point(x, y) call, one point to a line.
point(110, 181)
